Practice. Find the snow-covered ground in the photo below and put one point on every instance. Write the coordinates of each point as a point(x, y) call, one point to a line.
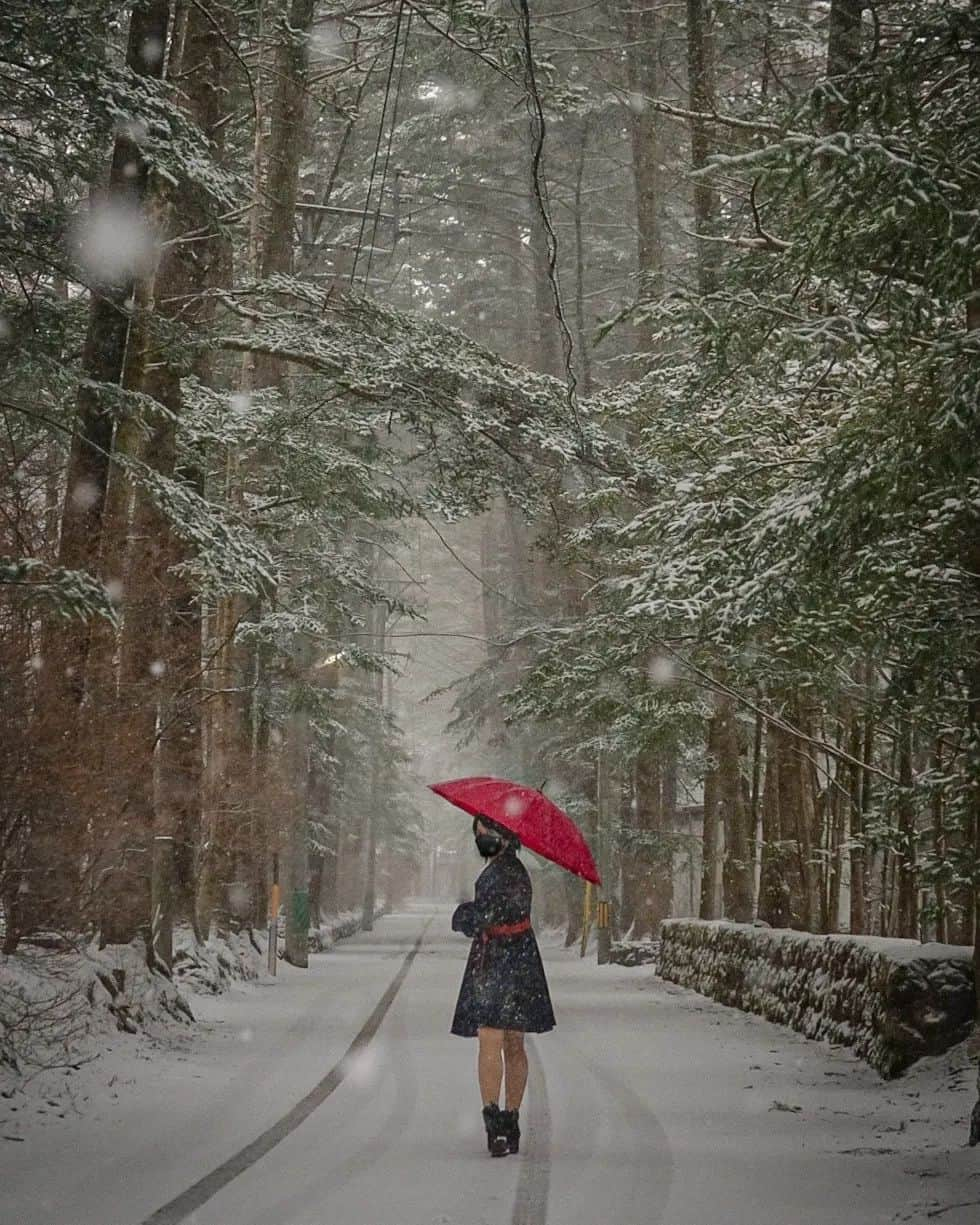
point(649, 1105)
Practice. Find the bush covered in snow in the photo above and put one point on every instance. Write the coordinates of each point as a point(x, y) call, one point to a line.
point(53, 1003)
point(339, 927)
point(891, 1000)
point(212, 967)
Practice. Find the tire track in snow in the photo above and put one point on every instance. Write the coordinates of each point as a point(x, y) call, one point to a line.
point(179, 1208)
point(533, 1181)
point(289, 1207)
point(647, 1196)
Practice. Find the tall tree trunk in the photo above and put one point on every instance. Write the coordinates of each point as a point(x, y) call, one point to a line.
point(788, 776)
point(738, 841)
point(755, 812)
point(296, 773)
point(321, 794)
point(16, 649)
point(572, 892)
point(807, 825)
point(641, 33)
point(974, 716)
point(277, 163)
point(375, 800)
point(286, 147)
point(837, 795)
point(180, 799)
point(331, 895)
point(804, 814)
point(104, 351)
point(581, 328)
point(774, 890)
point(867, 787)
point(940, 845)
point(654, 862)
point(908, 926)
point(630, 865)
point(858, 853)
point(57, 830)
point(972, 676)
point(712, 836)
point(180, 767)
point(669, 817)
point(141, 892)
point(701, 91)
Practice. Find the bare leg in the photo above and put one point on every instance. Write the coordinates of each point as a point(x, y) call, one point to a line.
point(490, 1063)
point(515, 1060)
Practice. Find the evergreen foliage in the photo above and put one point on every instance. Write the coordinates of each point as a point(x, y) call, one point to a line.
point(729, 545)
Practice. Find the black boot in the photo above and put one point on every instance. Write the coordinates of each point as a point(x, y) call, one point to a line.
point(512, 1130)
point(497, 1143)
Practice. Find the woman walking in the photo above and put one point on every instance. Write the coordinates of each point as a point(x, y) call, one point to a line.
point(504, 993)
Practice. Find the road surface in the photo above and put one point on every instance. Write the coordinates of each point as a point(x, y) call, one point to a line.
point(339, 1098)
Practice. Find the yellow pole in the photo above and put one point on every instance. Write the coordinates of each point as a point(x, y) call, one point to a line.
point(586, 916)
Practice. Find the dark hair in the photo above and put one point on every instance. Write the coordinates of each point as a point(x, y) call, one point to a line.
point(508, 837)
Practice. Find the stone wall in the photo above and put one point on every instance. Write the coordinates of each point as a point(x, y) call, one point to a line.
point(634, 952)
point(891, 1000)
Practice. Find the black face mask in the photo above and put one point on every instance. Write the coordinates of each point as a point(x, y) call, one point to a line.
point(489, 845)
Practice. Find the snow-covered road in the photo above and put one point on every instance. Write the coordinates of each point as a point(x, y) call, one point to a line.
point(649, 1105)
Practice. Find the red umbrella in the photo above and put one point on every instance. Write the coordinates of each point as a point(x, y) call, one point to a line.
point(540, 824)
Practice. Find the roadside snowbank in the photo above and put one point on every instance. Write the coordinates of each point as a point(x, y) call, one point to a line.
point(52, 1002)
point(210, 968)
point(339, 927)
point(62, 1010)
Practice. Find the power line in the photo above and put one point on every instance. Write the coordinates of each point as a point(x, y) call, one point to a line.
point(377, 146)
point(535, 111)
point(391, 135)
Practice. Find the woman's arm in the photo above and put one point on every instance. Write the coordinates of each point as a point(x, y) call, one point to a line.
point(464, 919)
point(502, 895)
point(471, 918)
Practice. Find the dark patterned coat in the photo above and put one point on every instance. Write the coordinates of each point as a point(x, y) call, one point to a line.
point(503, 986)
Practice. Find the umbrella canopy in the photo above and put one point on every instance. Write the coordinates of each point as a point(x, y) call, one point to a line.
point(541, 825)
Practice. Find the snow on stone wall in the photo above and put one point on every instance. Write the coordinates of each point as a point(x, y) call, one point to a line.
point(891, 1000)
point(634, 952)
point(212, 967)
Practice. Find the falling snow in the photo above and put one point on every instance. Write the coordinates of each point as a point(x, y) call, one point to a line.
point(113, 242)
point(661, 670)
point(85, 495)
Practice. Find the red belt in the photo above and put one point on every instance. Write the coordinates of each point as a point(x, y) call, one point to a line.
point(499, 929)
point(506, 929)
